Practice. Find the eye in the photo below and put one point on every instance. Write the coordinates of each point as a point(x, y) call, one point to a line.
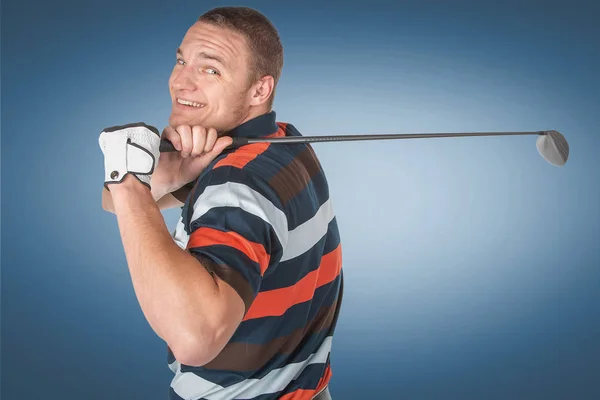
point(211, 71)
point(180, 61)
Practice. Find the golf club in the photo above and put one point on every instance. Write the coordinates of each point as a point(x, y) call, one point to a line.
point(551, 145)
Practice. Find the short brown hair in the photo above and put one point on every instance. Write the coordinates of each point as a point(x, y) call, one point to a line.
point(266, 50)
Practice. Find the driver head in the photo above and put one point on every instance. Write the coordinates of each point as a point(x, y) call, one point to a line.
point(553, 147)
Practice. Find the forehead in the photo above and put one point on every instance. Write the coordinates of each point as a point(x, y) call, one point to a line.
point(223, 42)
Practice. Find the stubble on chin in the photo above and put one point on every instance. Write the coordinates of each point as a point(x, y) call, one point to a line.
point(176, 120)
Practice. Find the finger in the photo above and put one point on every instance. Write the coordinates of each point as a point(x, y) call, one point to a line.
point(201, 162)
point(172, 136)
point(211, 139)
point(199, 138)
point(221, 144)
point(185, 132)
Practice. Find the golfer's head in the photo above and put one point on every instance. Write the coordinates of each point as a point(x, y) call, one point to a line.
point(226, 71)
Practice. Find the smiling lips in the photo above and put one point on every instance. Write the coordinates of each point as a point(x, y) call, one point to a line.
point(189, 103)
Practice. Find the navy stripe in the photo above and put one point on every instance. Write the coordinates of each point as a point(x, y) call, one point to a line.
point(306, 347)
point(235, 259)
point(263, 170)
point(333, 237)
point(263, 330)
point(288, 273)
point(262, 125)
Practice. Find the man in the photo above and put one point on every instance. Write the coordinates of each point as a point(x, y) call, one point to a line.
point(247, 290)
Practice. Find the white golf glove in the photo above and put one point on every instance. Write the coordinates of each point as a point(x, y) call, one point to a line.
point(129, 149)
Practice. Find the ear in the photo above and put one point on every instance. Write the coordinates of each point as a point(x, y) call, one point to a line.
point(262, 90)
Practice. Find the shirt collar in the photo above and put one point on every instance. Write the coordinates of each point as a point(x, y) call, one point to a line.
point(263, 125)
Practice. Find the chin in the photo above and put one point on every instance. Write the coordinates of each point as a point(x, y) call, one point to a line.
point(175, 120)
point(179, 118)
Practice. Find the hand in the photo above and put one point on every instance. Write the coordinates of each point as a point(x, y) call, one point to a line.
point(129, 150)
point(196, 148)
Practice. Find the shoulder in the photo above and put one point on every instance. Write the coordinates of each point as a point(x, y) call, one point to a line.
point(275, 172)
point(234, 181)
point(263, 158)
point(254, 164)
point(244, 167)
point(229, 198)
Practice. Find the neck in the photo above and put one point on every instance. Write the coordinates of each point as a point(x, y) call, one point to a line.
point(252, 113)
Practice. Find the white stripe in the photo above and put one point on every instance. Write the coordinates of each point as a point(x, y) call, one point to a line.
point(305, 236)
point(180, 236)
point(174, 366)
point(190, 386)
point(232, 194)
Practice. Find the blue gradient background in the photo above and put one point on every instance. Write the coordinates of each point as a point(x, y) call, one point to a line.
point(472, 265)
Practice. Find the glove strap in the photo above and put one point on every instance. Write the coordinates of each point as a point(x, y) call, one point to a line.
point(115, 166)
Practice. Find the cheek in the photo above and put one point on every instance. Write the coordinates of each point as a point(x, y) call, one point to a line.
point(215, 92)
point(231, 99)
point(171, 84)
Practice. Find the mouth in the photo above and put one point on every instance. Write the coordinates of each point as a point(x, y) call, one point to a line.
point(189, 103)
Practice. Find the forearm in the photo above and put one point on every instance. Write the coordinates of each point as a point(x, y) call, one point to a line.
point(163, 202)
point(179, 298)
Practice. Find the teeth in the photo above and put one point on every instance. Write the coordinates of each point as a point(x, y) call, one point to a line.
point(189, 103)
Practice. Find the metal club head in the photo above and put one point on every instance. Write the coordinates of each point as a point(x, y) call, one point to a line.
point(553, 147)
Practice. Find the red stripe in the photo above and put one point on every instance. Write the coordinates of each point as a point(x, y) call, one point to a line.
point(244, 154)
point(208, 237)
point(324, 379)
point(240, 158)
point(276, 302)
point(282, 130)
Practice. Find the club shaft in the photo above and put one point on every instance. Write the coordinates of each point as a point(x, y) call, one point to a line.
point(346, 138)
point(240, 141)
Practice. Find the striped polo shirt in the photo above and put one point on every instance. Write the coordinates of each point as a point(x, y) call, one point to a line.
point(260, 218)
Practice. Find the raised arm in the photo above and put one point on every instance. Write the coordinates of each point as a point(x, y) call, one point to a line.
point(183, 303)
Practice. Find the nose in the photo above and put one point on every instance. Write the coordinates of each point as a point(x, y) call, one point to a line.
point(182, 79)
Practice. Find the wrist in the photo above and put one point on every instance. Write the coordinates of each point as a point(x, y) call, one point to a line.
point(130, 196)
point(159, 190)
point(129, 184)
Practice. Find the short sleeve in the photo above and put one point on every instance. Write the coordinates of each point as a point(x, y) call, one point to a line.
point(237, 229)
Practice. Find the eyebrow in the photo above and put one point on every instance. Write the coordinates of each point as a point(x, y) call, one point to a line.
point(205, 55)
